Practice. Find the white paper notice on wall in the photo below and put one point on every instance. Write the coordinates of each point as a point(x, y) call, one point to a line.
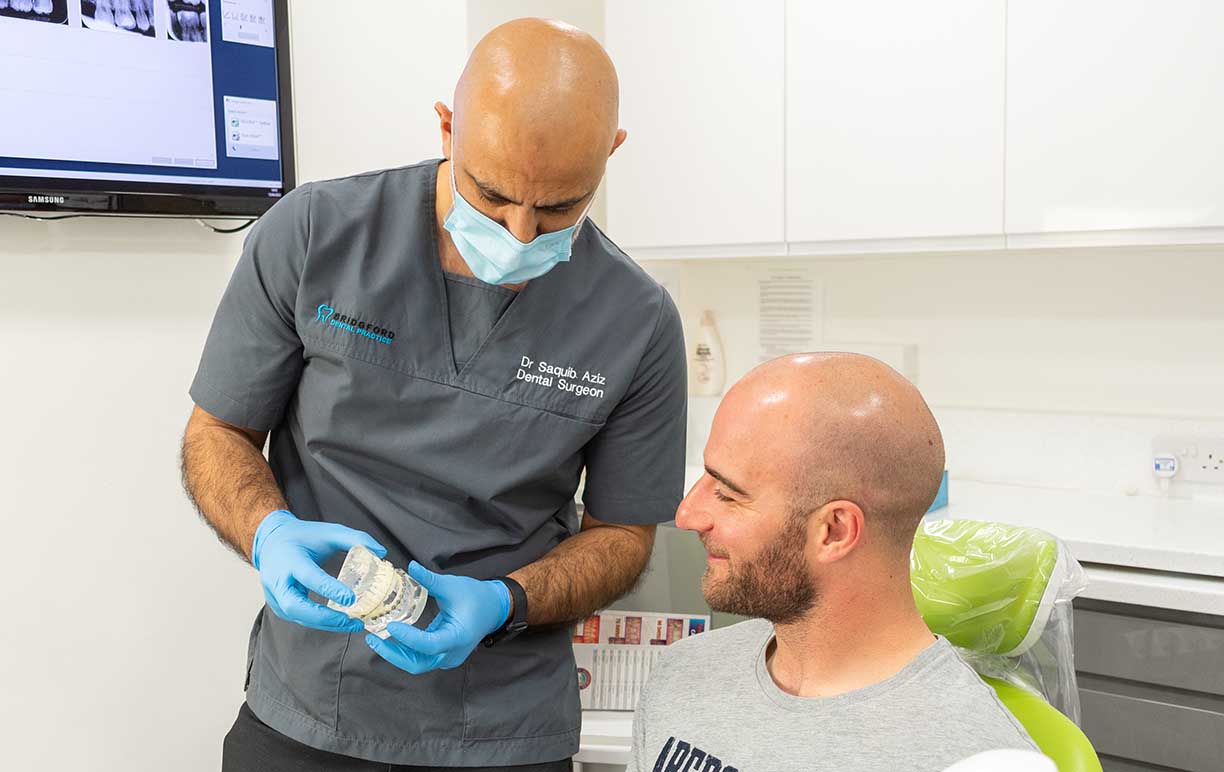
point(787, 311)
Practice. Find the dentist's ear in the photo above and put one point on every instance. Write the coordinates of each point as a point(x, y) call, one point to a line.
point(621, 136)
point(835, 530)
point(446, 120)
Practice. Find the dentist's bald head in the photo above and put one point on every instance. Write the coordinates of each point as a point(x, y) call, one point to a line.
point(543, 80)
point(534, 123)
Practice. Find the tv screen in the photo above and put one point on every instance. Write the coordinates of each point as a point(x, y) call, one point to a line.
point(152, 107)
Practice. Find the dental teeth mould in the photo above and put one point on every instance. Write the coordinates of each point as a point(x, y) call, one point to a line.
point(384, 593)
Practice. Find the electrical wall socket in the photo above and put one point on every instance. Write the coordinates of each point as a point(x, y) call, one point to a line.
point(1200, 458)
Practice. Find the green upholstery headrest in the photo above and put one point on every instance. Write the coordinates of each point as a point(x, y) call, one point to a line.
point(987, 587)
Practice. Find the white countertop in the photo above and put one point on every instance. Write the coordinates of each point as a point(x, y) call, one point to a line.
point(1157, 534)
point(1165, 553)
point(1140, 587)
point(607, 736)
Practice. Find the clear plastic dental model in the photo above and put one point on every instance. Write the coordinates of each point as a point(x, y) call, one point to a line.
point(384, 593)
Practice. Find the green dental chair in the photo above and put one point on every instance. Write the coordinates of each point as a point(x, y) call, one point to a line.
point(1001, 594)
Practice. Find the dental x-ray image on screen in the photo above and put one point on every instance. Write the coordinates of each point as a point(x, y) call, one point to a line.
point(53, 11)
point(134, 107)
point(188, 21)
point(118, 16)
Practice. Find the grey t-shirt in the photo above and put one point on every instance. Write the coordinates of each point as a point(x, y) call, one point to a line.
point(457, 445)
point(712, 706)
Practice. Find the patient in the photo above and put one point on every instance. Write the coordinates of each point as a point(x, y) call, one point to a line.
point(819, 468)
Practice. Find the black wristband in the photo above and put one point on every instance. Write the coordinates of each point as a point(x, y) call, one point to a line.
point(517, 621)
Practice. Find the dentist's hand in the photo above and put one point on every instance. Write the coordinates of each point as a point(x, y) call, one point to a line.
point(469, 609)
point(287, 552)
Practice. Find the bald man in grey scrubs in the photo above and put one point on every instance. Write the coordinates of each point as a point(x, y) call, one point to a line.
point(437, 352)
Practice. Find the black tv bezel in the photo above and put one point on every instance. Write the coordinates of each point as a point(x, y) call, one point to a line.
point(38, 195)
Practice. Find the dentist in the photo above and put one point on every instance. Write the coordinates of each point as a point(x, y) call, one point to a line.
point(437, 352)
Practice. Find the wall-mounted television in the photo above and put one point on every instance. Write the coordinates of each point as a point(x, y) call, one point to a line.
point(144, 107)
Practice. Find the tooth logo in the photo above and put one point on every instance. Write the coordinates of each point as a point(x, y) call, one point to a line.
point(325, 312)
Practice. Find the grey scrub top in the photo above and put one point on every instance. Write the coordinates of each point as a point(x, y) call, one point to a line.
point(474, 308)
point(335, 334)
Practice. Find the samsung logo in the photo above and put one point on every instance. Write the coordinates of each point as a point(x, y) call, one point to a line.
point(45, 199)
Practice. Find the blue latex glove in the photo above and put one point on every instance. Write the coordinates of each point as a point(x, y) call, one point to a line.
point(287, 553)
point(469, 609)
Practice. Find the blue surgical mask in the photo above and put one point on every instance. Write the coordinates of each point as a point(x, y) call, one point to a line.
point(494, 254)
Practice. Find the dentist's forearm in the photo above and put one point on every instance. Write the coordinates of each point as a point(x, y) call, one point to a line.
point(228, 479)
point(584, 573)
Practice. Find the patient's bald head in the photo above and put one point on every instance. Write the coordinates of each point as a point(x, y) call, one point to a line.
point(846, 426)
point(819, 468)
point(534, 122)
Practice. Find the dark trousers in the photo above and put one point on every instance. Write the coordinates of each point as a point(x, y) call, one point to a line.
point(253, 746)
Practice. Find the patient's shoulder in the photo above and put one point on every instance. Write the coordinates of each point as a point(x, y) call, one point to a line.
point(714, 660)
point(957, 690)
point(748, 632)
point(723, 646)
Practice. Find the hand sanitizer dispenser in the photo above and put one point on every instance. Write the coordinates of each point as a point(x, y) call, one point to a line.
point(707, 367)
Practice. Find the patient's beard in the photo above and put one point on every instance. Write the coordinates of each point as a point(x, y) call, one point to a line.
point(775, 585)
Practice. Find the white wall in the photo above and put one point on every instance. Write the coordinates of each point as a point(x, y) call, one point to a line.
point(126, 641)
point(1052, 368)
point(366, 80)
point(484, 15)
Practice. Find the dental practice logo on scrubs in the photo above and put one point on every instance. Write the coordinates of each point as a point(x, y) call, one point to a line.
point(353, 323)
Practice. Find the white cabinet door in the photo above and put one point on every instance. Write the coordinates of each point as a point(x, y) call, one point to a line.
point(365, 82)
point(702, 100)
point(894, 124)
point(1115, 117)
